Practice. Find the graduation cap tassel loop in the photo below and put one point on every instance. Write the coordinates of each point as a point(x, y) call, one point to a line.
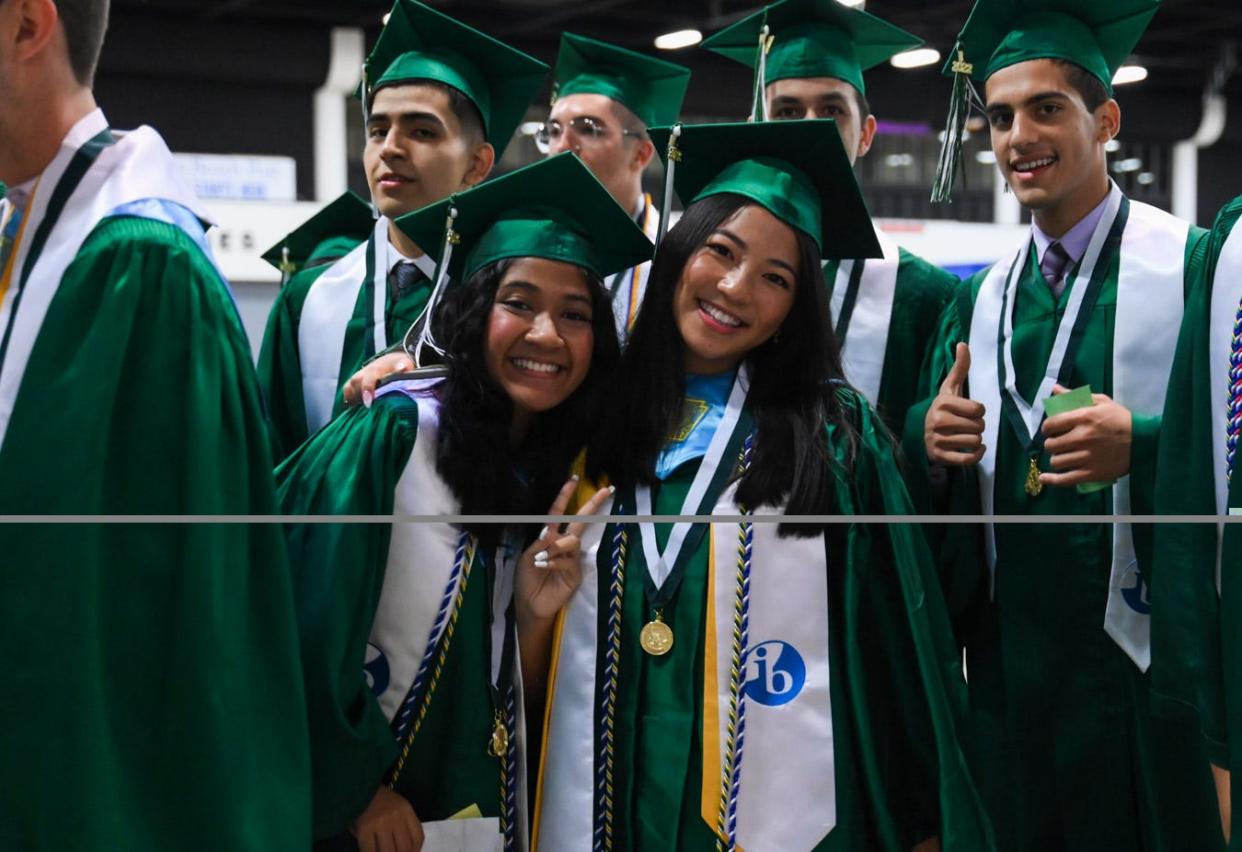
point(674, 157)
point(425, 335)
point(950, 161)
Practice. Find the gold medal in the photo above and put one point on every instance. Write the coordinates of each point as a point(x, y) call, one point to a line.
point(1033, 485)
point(499, 745)
point(656, 638)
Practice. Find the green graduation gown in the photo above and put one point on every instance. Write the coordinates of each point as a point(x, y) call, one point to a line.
point(897, 696)
point(153, 698)
point(890, 334)
point(1063, 744)
point(355, 466)
point(1195, 661)
point(298, 409)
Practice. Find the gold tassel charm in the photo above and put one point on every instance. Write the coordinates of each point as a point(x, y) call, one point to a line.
point(1033, 486)
point(498, 746)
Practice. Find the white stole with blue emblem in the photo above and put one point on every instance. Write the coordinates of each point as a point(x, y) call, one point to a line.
point(421, 591)
point(1150, 302)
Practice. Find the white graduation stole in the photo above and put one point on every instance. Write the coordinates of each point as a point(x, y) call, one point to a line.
point(786, 795)
point(420, 590)
point(1150, 302)
point(138, 166)
point(866, 338)
point(326, 313)
point(1226, 296)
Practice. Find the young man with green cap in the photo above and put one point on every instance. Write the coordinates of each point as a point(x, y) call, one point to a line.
point(604, 98)
point(413, 634)
point(884, 309)
point(152, 698)
point(1194, 581)
point(1057, 617)
point(320, 241)
point(441, 102)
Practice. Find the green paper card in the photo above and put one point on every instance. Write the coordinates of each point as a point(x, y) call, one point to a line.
point(1071, 401)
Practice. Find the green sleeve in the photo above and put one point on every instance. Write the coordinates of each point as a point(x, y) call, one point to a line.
point(906, 695)
point(153, 699)
point(280, 365)
point(350, 467)
point(1186, 627)
point(957, 549)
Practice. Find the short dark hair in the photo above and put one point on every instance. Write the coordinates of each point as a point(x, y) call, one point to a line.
point(1088, 86)
point(864, 107)
point(468, 115)
point(85, 22)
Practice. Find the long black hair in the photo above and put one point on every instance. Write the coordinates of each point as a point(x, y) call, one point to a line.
point(792, 383)
point(474, 455)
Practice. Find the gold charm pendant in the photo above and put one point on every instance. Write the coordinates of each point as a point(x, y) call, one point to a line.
point(499, 745)
point(1033, 486)
point(657, 637)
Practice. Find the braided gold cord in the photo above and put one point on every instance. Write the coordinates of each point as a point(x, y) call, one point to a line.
point(445, 641)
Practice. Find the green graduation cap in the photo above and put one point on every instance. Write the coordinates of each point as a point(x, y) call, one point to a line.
point(812, 38)
point(1096, 35)
point(554, 209)
point(797, 170)
point(331, 233)
point(419, 43)
point(651, 88)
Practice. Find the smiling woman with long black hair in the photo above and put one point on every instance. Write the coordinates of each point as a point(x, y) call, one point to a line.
point(415, 636)
point(753, 684)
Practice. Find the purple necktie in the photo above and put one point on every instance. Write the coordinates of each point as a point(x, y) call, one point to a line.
point(1053, 267)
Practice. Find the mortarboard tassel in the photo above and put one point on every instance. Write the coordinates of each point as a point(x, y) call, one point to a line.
point(425, 336)
point(759, 103)
point(674, 157)
point(950, 162)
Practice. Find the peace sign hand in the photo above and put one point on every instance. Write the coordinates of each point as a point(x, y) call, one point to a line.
point(550, 570)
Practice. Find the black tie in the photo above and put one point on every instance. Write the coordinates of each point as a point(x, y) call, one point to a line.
point(403, 278)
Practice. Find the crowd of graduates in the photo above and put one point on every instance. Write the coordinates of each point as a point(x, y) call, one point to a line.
point(460, 349)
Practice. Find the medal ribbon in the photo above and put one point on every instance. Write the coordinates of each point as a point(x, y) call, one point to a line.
point(660, 566)
point(846, 312)
point(1026, 417)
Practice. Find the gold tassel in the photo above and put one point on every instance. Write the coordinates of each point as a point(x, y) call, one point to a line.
point(950, 161)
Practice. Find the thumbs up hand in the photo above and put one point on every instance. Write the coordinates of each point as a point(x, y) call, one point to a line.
point(953, 428)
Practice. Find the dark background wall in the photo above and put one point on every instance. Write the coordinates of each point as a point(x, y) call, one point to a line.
point(238, 76)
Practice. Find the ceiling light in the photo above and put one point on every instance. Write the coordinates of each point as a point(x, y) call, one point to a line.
point(1146, 178)
point(987, 158)
point(387, 15)
point(916, 58)
point(899, 160)
point(851, 2)
point(678, 40)
point(1112, 146)
point(1129, 74)
point(1133, 164)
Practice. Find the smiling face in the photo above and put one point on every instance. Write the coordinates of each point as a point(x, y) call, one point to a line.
point(417, 151)
point(539, 333)
point(1048, 145)
point(824, 97)
point(736, 289)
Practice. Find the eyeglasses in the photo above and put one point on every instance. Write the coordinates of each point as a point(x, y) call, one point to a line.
point(590, 131)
